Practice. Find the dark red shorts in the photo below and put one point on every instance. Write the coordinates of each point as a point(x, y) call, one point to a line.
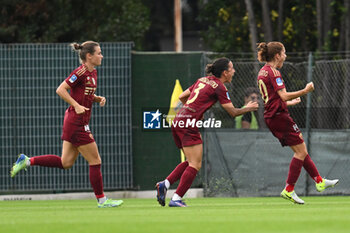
point(186, 136)
point(78, 135)
point(285, 129)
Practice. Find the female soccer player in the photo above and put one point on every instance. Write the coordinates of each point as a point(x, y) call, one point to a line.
point(77, 137)
point(278, 120)
point(197, 99)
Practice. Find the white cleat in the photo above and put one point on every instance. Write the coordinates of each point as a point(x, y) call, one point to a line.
point(291, 196)
point(326, 184)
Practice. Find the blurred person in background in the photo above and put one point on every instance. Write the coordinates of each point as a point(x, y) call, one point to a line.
point(78, 90)
point(248, 120)
point(278, 120)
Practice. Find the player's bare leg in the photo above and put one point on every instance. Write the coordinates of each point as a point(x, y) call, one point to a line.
point(69, 154)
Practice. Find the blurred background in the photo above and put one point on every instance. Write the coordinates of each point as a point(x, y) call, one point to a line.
point(147, 45)
point(215, 25)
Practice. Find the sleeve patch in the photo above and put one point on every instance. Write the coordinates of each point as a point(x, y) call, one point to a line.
point(279, 82)
point(228, 96)
point(73, 78)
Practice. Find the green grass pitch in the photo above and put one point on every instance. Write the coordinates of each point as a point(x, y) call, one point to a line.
point(328, 214)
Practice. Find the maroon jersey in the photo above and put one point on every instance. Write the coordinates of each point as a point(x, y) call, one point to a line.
point(83, 85)
point(204, 93)
point(269, 82)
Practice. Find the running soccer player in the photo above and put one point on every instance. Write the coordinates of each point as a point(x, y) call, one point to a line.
point(77, 137)
point(278, 120)
point(197, 99)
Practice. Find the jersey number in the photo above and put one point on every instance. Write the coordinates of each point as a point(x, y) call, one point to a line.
point(196, 91)
point(263, 91)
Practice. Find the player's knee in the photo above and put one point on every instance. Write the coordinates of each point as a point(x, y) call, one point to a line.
point(300, 155)
point(95, 161)
point(98, 160)
point(67, 164)
point(197, 165)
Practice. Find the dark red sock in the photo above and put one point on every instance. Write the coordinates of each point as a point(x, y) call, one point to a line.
point(289, 187)
point(176, 174)
point(186, 180)
point(46, 161)
point(96, 180)
point(294, 172)
point(311, 168)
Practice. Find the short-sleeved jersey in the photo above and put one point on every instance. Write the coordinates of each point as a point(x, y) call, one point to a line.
point(83, 85)
point(270, 82)
point(204, 93)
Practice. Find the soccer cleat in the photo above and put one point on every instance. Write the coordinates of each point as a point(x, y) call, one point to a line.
point(291, 196)
point(161, 192)
point(178, 203)
point(20, 164)
point(110, 203)
point(326, 184)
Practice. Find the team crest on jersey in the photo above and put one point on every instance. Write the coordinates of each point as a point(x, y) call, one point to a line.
point(279, 82)
point(88, 81)
point(73, 78)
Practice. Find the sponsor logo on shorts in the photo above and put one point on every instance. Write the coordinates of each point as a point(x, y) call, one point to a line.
point(86, 128)
point(73, 78)
point(296, 128)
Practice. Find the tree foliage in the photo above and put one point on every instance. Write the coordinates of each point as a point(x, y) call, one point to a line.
point(227, 24)
point(224, 25)
point(77, 20)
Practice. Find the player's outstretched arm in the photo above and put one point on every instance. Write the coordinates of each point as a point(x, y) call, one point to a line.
point(251, 106)
point(286, 96)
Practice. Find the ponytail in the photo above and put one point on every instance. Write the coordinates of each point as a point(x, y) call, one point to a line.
point(76, 47)
point(262, 51)
point(84, 48)
point(217, 67)
point(267, 51)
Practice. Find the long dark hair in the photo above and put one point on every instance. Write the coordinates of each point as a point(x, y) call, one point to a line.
point(217, 67)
